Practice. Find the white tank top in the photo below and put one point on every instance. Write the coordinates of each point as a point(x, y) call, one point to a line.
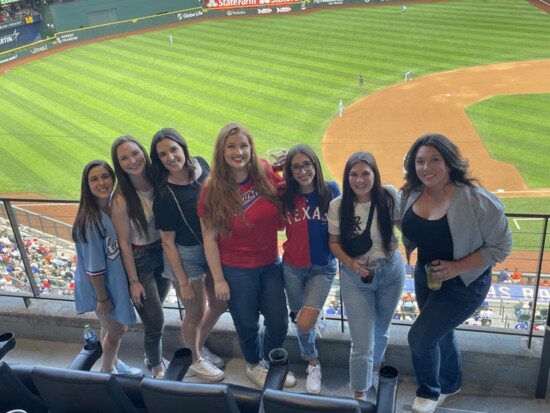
point(147, 199)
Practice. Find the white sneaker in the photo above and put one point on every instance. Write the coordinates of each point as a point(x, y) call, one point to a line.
point(375, 380)
point(313, 381)
point(124, 369)
point(206, 371)
point(212, 358)
point(422, 405)
point(257, 374)
point(443, 397)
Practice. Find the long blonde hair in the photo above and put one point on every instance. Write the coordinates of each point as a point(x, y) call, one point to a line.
point(223, 197)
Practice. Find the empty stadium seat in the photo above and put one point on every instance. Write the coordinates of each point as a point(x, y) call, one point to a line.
point(69, 391)
point(162, 396)
point(277, 401)
point(15, 395)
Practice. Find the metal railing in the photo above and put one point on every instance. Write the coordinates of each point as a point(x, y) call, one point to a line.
point(38, 260)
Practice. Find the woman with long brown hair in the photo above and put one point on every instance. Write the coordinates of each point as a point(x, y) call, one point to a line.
point(240, 216)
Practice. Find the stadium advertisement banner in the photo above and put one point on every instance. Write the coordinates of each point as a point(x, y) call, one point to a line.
point(11, 24)
point(323, 3)
point(236, 4)
point(20, 22)
point(189, 15)
point(20, 36)
point(38, 47)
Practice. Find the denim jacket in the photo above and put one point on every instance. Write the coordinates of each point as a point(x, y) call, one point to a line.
point(477, 224)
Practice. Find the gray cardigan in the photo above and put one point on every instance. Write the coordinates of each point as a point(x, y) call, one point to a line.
point(477, 223)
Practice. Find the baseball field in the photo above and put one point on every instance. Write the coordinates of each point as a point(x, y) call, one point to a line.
point(480, 76)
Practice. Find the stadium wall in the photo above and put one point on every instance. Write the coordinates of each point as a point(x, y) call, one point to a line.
point(85, 20)
point(19, 32)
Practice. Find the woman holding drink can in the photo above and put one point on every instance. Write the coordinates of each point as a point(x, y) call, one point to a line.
point(372, 274)
point(460, 231)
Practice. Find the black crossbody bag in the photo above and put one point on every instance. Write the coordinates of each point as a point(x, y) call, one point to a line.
point(362, 243)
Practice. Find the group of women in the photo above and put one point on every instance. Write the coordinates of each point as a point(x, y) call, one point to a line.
point(211, 231)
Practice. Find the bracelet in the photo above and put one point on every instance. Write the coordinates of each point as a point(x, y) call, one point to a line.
point(103, 301)
point(136, 281)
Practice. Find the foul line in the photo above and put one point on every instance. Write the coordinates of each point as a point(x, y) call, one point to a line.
point(524, 219)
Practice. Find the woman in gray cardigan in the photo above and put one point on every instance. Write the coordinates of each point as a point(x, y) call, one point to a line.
point(461, 230)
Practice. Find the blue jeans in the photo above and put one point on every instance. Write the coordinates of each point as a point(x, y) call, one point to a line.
point(193, 262)
point(435, 352)
point(308, 287)
point(370, 309)
point(254, 291)
point(149, 267)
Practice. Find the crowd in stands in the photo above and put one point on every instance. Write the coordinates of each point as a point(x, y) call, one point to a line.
point(15, 11)
point(52, 266)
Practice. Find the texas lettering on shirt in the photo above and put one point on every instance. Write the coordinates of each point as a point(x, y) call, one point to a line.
point(306, 213)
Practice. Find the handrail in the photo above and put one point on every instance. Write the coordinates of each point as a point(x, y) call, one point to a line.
point(14, 213)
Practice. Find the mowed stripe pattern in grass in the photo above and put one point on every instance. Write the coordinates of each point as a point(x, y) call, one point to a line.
point(516, 129)
point(281, 76)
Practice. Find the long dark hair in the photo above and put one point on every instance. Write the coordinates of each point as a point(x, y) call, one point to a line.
point(459, 172)
point(160, 173)
point(293, 187)
point(125, 187)
point(88, 208)
point(380, 197)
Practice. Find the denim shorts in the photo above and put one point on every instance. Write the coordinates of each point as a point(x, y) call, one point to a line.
point(193, 262)
point(308, 286)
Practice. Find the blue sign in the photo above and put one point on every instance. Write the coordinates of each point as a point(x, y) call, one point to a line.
point(506, 292)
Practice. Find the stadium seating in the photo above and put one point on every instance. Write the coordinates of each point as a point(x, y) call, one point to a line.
point(163, 396)
point(69, 391)
point(15, 394)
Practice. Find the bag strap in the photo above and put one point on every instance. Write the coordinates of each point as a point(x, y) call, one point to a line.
point(182, 214)
point(371, 214)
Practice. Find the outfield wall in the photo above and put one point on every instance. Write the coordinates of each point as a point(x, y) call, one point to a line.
point(85, 20)
point(19, 32)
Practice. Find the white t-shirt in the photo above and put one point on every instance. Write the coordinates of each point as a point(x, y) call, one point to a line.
point(361, 212)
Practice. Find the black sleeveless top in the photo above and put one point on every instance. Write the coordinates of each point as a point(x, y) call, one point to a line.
point(433, 238)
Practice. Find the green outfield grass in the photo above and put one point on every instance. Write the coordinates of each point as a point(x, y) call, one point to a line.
point(516, 129)
point(527, 205)
point(281, 76)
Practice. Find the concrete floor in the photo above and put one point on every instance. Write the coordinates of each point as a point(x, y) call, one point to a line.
point(473, 397)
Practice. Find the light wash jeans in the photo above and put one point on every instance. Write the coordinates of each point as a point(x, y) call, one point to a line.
point(308, 287)
point(370, 309)
point(149, 267)
point(435, 352)
point(254, 291)
point(193, 261)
